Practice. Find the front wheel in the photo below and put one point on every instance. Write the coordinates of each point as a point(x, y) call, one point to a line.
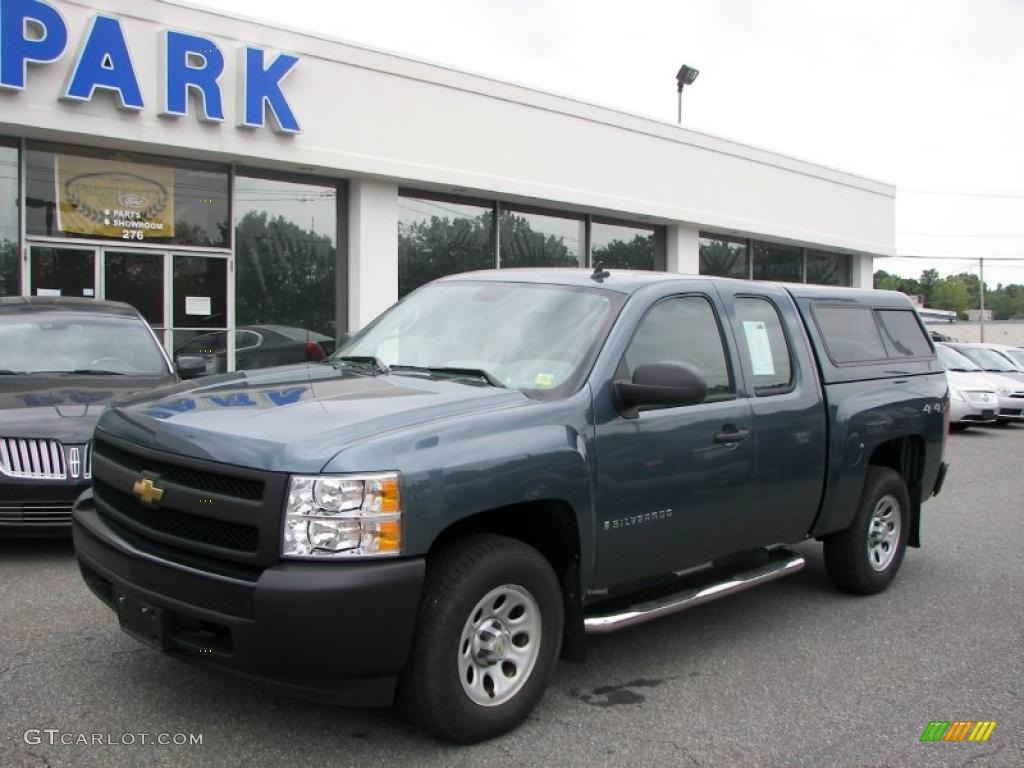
point(487, 639)
point(866, 556)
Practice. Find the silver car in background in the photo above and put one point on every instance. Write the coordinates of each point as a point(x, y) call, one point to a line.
point(1009, 392)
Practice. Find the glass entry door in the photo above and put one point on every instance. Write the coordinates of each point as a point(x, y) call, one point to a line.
point(199, 301)
point(183, 296)
point(59, 271)
point(137, 278)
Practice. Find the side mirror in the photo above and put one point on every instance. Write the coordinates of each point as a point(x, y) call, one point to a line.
point(190, 367)
point(660, 384)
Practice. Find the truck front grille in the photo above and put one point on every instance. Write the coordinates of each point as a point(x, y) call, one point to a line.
point(240, 488)
point(221, 512)
point(206, 530)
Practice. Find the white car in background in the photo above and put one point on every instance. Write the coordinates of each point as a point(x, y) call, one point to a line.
point(1009, 392)
point(971, 401)
point(1015, 354)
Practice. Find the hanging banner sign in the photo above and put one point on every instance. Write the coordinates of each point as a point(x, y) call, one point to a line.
point(112, 198)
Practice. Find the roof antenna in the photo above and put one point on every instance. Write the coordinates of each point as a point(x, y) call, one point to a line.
point(600, 273)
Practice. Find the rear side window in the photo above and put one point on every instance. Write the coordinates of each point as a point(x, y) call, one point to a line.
point(851, 334)
point(764, 345)
point(902, 333)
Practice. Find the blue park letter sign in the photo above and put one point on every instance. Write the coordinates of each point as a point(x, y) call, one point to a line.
point(261, 90)
point(105, 63)
point(191, 63)
point(30, 32)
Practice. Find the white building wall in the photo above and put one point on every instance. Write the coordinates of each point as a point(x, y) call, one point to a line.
point(369, 114)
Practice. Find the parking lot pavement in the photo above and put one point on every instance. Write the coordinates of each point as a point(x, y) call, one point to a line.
point(792, 673)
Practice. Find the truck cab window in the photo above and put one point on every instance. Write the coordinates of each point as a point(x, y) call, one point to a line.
point(763, 343)
point(683, 330)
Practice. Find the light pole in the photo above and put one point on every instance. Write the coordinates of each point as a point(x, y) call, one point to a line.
point(684, 77)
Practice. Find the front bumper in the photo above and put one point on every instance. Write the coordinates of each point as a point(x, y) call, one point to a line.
point(338, 633)
point(968, 412)
point(37, 508)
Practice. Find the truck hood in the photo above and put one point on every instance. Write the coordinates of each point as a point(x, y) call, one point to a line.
point(65, 408)
point(295, 418)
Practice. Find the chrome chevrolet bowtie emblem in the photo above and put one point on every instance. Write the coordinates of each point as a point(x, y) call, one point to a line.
point(74, 461)
point(146, 491)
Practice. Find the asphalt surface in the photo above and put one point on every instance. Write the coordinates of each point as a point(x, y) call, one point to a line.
point(790, 673)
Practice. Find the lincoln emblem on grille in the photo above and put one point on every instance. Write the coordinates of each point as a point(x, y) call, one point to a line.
point(74, 461)
point(146, 491)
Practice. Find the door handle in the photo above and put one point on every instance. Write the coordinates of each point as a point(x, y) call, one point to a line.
point(731, 435)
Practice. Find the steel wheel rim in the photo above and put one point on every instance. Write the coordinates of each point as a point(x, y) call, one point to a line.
point(499, 645)
point(884, 532)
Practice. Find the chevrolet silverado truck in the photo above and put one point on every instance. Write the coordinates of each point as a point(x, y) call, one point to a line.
point(502, 463)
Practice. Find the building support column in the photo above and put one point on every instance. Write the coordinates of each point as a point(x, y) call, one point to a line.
point(372, 250)
point(682, 249)
point(863, 271)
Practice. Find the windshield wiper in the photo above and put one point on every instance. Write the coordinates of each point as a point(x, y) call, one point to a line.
point(476, 373)
point(375, 362)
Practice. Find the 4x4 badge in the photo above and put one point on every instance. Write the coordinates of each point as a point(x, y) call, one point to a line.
point(146, 491)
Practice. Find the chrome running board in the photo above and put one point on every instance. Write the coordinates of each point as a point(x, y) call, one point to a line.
point(783, 563)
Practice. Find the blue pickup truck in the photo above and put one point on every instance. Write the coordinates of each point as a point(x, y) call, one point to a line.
point(502, 463)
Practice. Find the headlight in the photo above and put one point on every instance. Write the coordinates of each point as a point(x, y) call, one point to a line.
point(342, 516)
point(955, 393)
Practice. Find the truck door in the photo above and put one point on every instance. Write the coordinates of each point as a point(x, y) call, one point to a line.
point(789, 415)
point(673, 487)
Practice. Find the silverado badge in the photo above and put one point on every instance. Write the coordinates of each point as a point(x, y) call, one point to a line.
point(146, 491)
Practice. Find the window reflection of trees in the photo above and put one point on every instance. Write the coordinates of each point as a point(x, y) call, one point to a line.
point(285, 274)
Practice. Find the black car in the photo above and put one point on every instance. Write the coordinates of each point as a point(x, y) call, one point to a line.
point(62, 361)
point(258, 346)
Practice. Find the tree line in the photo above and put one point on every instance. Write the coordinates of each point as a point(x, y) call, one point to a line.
point(957, 293)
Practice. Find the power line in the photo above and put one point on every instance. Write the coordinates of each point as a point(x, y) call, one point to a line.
point(957, 258)
point(1009, 193)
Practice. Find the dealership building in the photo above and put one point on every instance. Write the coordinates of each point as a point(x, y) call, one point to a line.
point(225, 175)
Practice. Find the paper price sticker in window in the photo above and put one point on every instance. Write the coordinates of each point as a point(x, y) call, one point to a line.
point(760, 347)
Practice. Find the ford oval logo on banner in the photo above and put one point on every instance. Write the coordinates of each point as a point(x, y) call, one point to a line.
point(35, 32)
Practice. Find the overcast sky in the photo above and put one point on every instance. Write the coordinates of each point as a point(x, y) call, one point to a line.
point(924, 94)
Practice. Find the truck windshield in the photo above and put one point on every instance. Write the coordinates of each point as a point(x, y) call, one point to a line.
point(518, 335)
point(68, 342)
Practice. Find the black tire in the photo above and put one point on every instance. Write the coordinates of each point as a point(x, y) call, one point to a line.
point(1002, 422)
point(852, 564)
point(958, 427)
point(459, 577)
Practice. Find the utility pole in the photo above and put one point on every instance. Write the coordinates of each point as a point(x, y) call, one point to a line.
point(981, 270)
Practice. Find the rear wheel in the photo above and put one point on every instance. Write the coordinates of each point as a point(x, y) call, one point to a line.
point(866, 556)
point(487, 640)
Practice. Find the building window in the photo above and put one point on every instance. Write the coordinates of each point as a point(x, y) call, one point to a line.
point(623, 246)
point(781, 263)
point(95, 194)
point(10, 242)
point(286, 235)
point(530, 238)
point(826, 268)
point(440, 236)
point(729, 257)
point(724, 257)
